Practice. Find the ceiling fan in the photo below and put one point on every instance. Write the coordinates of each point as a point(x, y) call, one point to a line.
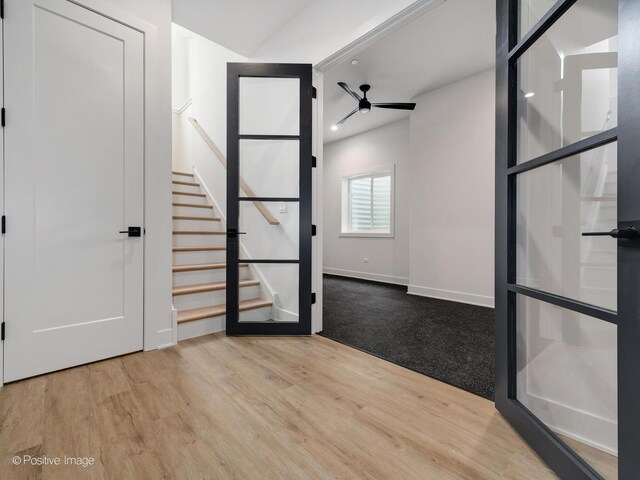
point(364, 105)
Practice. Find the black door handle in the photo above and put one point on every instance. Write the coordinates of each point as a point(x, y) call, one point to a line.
point(233, 233)
point(628, 232)
point(132, 231)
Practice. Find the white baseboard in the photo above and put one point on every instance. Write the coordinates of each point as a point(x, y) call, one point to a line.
point(376, 277)
point(460, 297)
point(580, 425)
point(165, 338)
point(285, 315)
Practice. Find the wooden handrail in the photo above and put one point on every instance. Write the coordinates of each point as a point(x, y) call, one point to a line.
point(243, 185)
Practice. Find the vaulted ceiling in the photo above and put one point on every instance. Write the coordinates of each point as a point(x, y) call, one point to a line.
point(453, 41)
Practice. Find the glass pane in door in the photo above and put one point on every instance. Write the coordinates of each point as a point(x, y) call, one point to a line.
point(531, 12)
point(567, 377)
point(567, 81)
point(269, 168)
point(269, 106)
point(280, 299)
point(558, 202)
point(267, 241)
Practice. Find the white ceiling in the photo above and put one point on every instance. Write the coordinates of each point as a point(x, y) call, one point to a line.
point(239, 25)
point(453, 41)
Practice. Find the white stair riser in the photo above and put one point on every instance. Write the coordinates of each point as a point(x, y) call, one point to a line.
point(177, 198)
point(599, 277)
point(197, 224)
point(256, 315)
point(205, 276)
point(599, 296)
point(182, 178)
point(610, 188)
point(606, 257)
point(218, 297)
point(193, 212)
point(191, 258)
point(607, 216)
point(603, 224)
point(185, 188)
point(202, 327)
point(199, 240)
point(608, 211)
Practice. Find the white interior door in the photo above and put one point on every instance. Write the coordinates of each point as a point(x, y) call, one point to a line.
point(74, 179)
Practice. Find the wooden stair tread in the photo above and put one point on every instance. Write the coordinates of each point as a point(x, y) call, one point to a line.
point(192, 205)
point(202, 266)
point(199, 232)
point(184, 174)
point(182, 182)
point(217, 310)
point(198, 249)
point(210, 287)
point(187, 217)
point(190, 194)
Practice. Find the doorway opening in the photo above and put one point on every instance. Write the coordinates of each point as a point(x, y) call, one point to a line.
point(408, 196)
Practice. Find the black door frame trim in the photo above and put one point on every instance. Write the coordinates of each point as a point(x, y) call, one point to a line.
point(559, 456)
point(303, 72)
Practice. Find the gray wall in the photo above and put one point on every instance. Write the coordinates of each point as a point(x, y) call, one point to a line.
point(388, 257)
point(452, 192)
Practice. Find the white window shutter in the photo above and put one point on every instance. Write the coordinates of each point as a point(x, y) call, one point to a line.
point(361, 204)
point(381, 211)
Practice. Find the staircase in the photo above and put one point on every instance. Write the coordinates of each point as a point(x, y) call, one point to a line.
point(599, 213)
point(199, 268)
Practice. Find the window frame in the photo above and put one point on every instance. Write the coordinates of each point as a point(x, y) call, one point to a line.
point(345, 207)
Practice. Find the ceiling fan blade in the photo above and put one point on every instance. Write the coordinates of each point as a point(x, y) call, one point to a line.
point(395, 106)
point(355, 110)
point(350, 91)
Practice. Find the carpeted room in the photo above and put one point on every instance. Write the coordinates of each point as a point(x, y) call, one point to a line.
point(409, 277)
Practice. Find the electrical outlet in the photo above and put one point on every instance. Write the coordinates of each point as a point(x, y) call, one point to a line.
point(283, 207)
point(365, 260)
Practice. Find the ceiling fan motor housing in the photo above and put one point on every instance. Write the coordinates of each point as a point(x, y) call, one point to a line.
point(364, 105)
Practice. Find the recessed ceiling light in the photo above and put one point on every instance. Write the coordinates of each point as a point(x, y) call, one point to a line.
point(529, 95)
point(334, 127)
point(355, 61)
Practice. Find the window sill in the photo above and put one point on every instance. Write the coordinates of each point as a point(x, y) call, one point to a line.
point(367, 235)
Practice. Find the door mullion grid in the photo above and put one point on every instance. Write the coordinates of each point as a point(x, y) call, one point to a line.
point(555, 452)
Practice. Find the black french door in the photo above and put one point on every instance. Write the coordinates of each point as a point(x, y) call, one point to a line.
point(567, 232)
point(269, 198)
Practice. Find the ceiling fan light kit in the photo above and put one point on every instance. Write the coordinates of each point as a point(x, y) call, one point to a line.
point(365, 106)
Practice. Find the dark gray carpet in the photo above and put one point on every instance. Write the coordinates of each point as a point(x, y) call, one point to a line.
point(449, 341)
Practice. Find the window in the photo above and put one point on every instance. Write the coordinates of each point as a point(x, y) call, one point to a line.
point(367, 203)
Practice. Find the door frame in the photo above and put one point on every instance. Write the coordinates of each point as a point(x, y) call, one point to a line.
point(304, 73)
point(159, 326)
point(553, 451)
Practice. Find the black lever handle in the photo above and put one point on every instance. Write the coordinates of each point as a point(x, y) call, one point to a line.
point(132, 231)
point(628, 232)
point(232, 233)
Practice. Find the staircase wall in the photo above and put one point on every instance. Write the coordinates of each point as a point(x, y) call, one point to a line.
point(207, 65)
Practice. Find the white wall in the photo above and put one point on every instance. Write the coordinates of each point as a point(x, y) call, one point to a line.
point(208, 87)
point(263, 168)
point(388, 258)
point(159, 327)
point(180, 95)
point(452, 158)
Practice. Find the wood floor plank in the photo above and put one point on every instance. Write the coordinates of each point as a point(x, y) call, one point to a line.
point(257, 407)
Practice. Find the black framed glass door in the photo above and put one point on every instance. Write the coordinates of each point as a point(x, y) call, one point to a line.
point(567, 232)
point(269, 202)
